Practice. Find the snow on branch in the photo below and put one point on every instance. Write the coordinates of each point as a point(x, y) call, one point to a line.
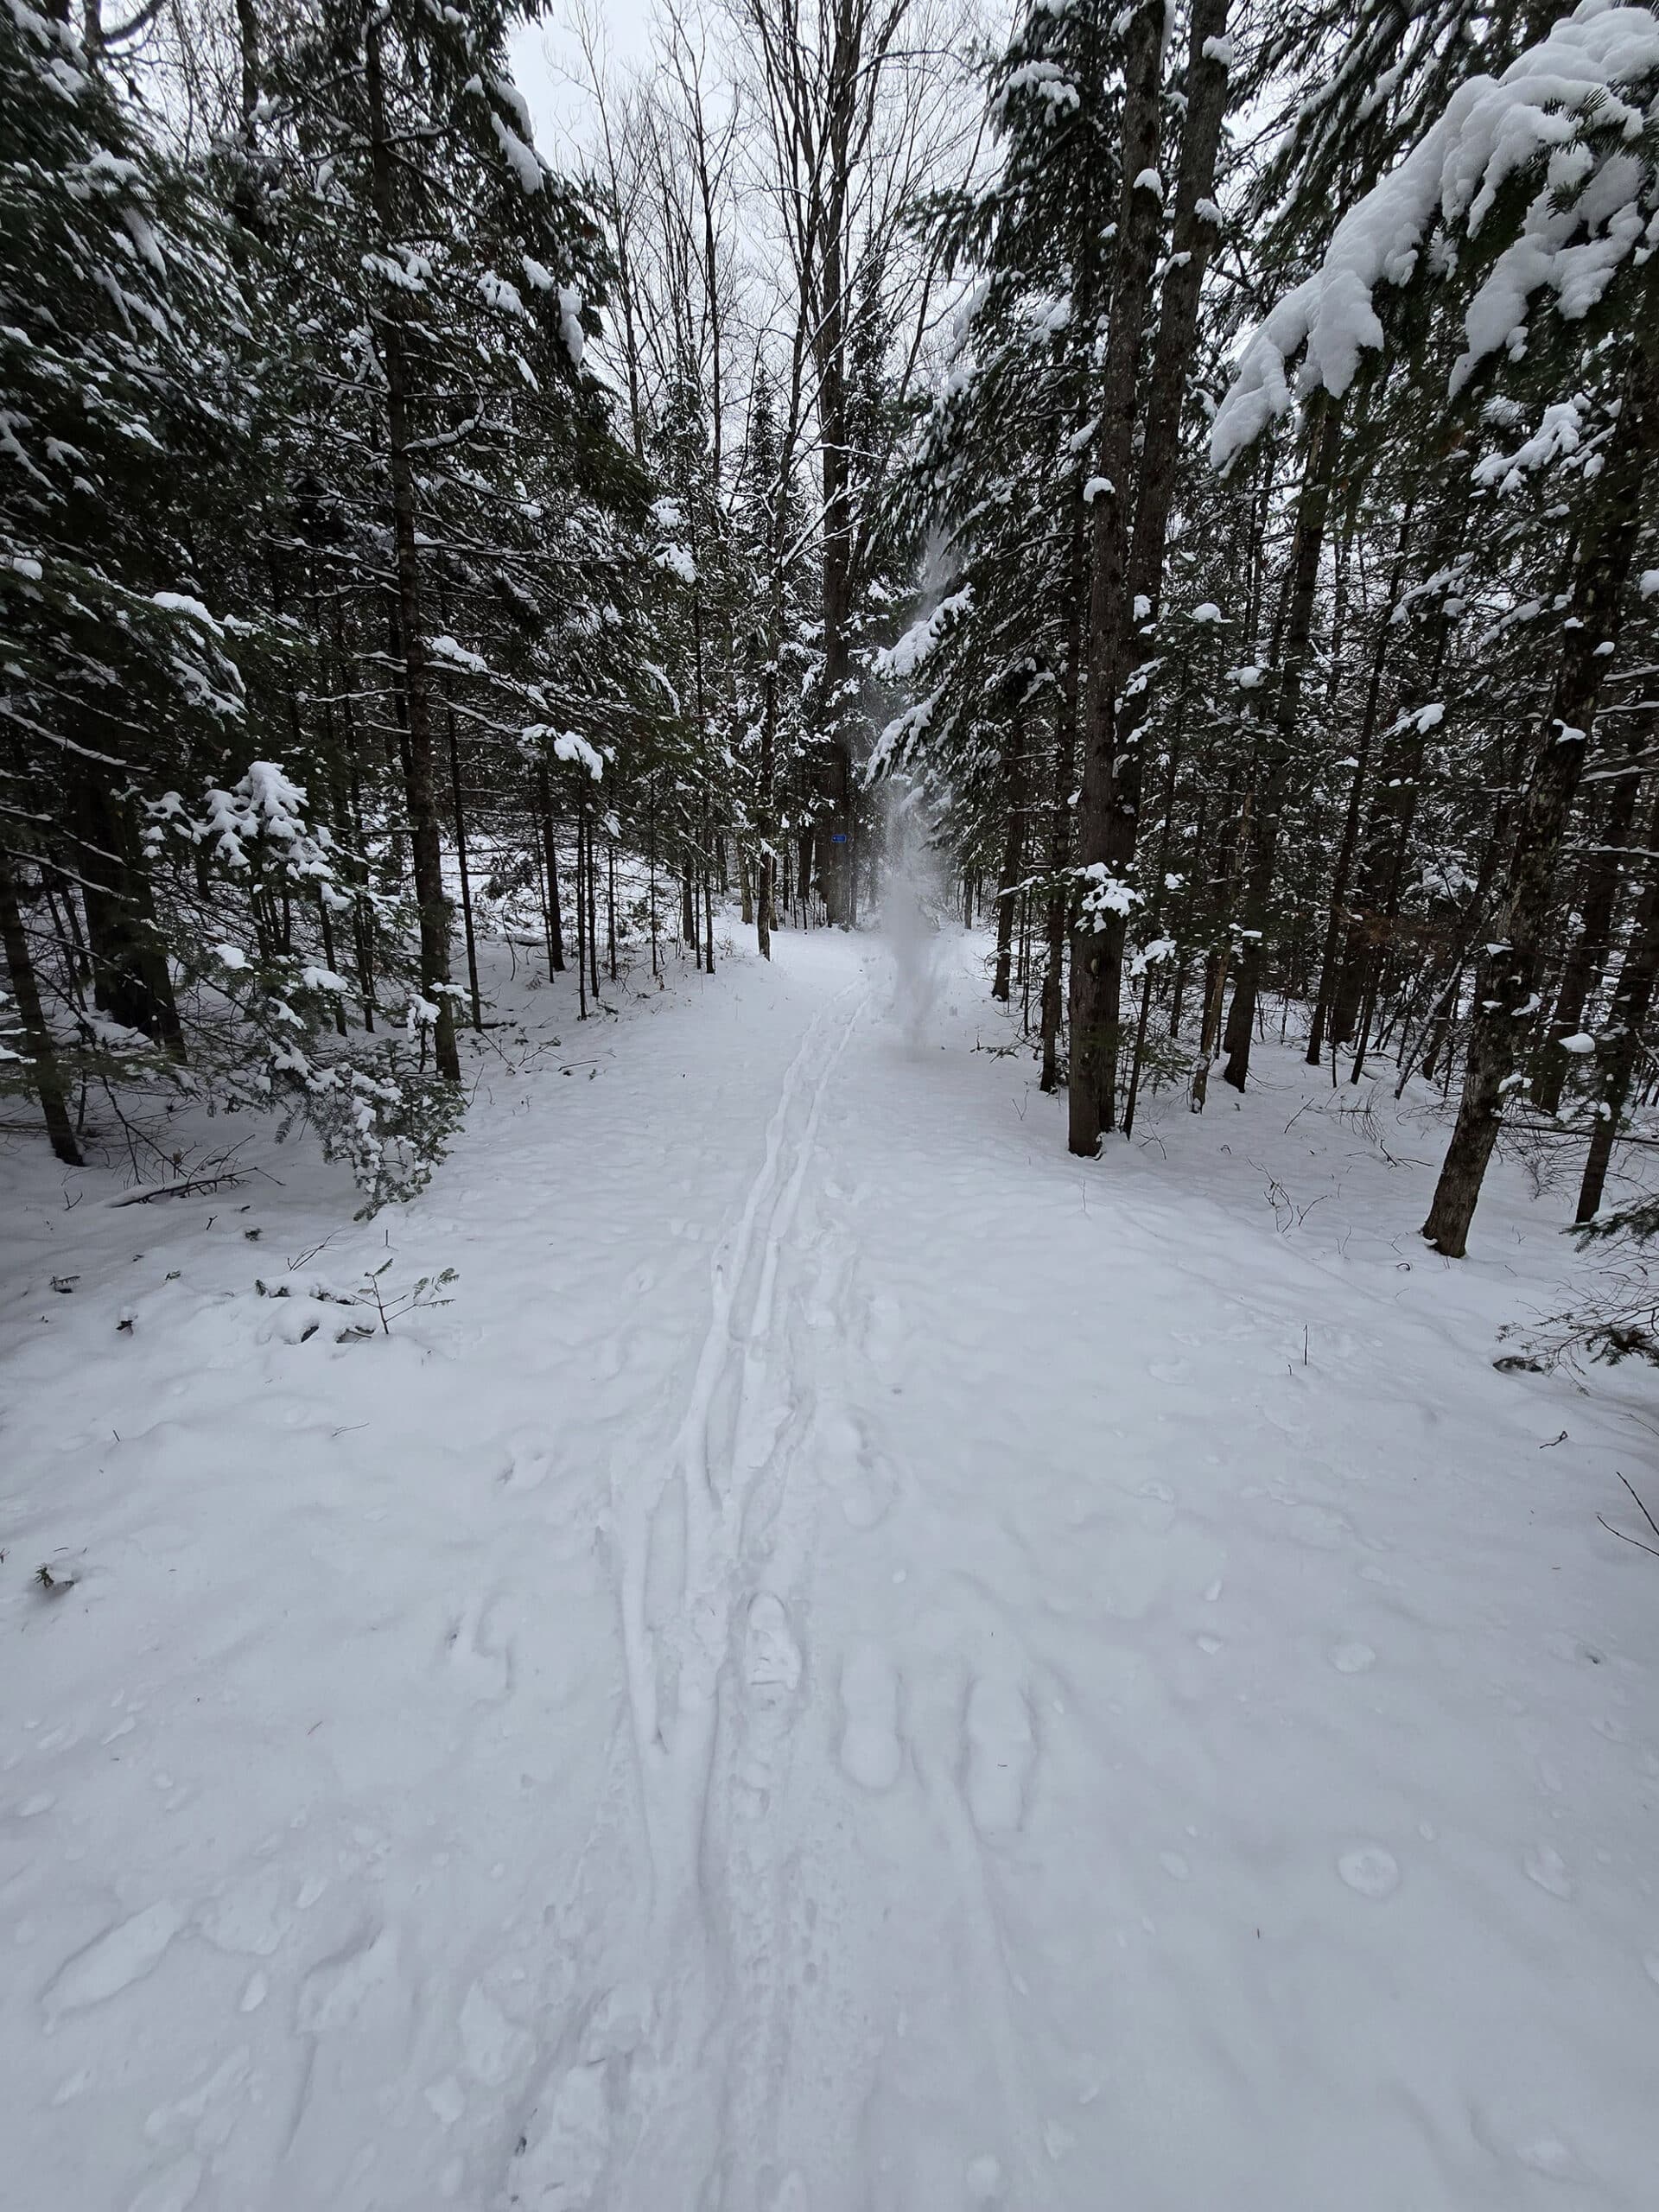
point(566, 745)
point(522, 159)
point(895, 662)
point(1578, 107)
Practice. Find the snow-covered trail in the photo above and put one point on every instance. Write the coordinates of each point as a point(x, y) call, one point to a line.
point(860, 1666)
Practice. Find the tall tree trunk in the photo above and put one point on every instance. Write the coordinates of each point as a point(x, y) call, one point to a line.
point(48, 1083)
point(1014, 846)
point(829, 344)
point(426, 848)
point(1587, 954)
point(593, 907)
point(610, 904)
point(1272, 767)
point(650, 876)
point(1349, 845)
point(550, 862)
point(1506, 973)
point(1130, 538)
point(707, 917)
point(131, 980)
point(582, 915)
point(465, 878)
point(1097, 945)
point(1058, 904)
point(1620, 1043)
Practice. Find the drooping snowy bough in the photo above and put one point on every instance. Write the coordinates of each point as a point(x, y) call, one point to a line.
point(1556, 162)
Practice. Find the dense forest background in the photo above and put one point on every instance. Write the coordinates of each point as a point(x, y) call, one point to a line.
point(1189, 474)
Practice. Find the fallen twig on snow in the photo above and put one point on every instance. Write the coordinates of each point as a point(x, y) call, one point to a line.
point(1652, 1550)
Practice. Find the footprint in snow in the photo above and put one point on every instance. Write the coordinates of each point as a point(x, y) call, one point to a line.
point(195, 2109)
point(884, 1335)
point(771, 1658)
point(1371, 1871)
point(528, 1467)
point(113, 1961)
point(1546, 1866)
point(490, 2046)
point(1002, 1753)
point(1509, 2134)
point(332, 1994)
point(562, 2154)
point(869, 1696)
point(484, 1665)
point(448, 2101)
point(249, 1917)
point(984, 2180)
point(862, 1479)
point(1319, 1527)
point(173, 2191)
point(618, 2023)
point(1547, 2154)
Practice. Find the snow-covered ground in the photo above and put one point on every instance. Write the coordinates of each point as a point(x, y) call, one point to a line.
point(859, 1664)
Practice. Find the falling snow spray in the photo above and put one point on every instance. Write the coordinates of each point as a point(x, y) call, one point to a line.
point(911, 907)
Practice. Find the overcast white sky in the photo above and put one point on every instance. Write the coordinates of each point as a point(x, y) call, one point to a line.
point(544, 55)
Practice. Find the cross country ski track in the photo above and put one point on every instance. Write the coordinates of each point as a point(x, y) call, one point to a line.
point(714, 1683)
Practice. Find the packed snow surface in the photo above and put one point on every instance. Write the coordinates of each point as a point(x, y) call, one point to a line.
point(859, 1665)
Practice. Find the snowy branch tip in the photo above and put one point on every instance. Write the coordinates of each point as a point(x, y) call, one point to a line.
point(1578, 103)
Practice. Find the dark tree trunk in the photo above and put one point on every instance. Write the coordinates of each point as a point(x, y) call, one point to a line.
point(1350, 842)
point(610, 905)
point(131, 982)
point(593, 909)
point(48, 1083)
point(1096, 936)
point(1274, 761)
point(582, 915)
point(426, 848)
point(708, 922)
point(829, 344)
point(1588, 953)
point(465, 878)
point(1014, 846)
point(1506, 973)
point(765, 868)
point(1129, 547)
point(1059, 907)
point(1620, 1043)
point(1137, 1059)
point(551, 862)
point(651, 868)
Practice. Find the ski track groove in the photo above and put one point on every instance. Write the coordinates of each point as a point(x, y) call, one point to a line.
point(676, 1754)
point(754, 1772)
